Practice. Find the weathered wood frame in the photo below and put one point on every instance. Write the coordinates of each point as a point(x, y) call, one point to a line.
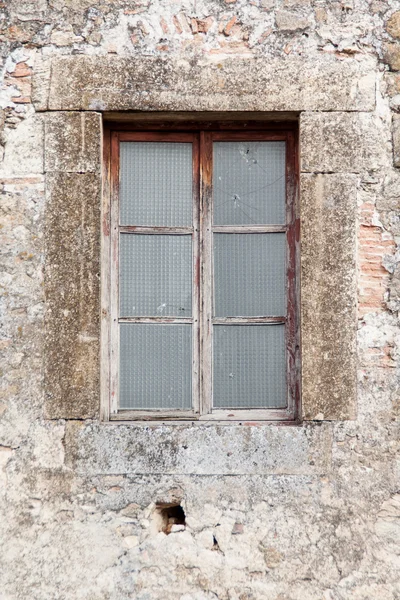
point(202, 232)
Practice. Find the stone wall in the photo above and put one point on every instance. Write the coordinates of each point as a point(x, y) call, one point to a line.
point(305, 512)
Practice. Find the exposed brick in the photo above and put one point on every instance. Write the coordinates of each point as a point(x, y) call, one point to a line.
point(164, 25)
point(229, 25)
point(177, 24)
point(194, 25)
point(22, 70)
point(204, 25)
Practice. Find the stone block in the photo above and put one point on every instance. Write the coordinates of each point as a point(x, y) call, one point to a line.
point(41, 82)
point(150, 83)
point(396, 140)
point(343, 143)
point(290, 21)
point(72, 142)
point(328, 296)
point(393, 25)
point(23, 153)
point(198, 449)
point(48, 449)
point(72, 291)
point(391, 55)
point(394, 290)
point(392, 84)
point(29, 10)
point(267, 4)
point(296, 3)
point(389, 197)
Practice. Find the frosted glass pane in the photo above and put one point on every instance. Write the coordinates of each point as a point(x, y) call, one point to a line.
point(155, 275)
point(156, 183)
point(155, 366)
point(249, 366)
point(249, 274)
point(249, 183)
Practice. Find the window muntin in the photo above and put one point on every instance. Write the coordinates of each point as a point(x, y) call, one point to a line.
point(234, 355)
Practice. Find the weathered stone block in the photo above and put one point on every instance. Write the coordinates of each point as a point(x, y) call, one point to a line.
point(290, 21)
point(296, 3)
point(27, 10)
point(148, 83)
point(41, 82)
point(389, 197)
point(328, 292)
point(72, 295)
point(198, 450)
point(391, 55)
point(72, 142)
point(23, 153)
point(394, 290)
point(267, 4)
point(343, 143)
point(393, 25)
point(396, 140)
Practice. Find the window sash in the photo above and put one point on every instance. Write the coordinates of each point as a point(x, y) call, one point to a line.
point(202, 235)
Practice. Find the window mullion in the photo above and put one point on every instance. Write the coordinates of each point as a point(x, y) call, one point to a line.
point(114, 279)
point(292, 241)
point(206, 271)
point(196, 326)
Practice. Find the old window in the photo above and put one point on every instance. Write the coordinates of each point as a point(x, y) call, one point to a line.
point(201, 285)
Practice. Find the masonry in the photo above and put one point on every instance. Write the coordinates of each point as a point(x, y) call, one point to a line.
point(308, 511)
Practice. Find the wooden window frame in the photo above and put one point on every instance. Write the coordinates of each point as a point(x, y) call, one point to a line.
point(201, 135)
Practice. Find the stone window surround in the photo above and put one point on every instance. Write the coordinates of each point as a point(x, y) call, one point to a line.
point(330, 104)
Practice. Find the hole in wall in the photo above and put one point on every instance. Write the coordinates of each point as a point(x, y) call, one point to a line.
point(216, 545)
point(171, 517)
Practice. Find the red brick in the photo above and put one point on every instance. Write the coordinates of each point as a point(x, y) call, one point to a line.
point(205, 24)
point(177, 24)
point(22, 100)
point(22, 70)
point(164, 25)
point(194, 26)
point(229, 25)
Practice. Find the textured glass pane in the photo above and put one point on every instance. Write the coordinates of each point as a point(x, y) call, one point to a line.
point(249, 274)
point(249, 366)
point(156, 184)
point(155, 366)
point(249, 183)
point(155, 275)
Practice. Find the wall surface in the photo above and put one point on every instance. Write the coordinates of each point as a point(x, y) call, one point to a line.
point(306, 512)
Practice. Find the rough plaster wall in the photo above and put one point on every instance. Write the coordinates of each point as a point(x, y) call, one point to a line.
point(311, 513)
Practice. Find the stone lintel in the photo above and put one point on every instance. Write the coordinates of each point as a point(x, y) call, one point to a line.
point(154, 84)
point(328, 296)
